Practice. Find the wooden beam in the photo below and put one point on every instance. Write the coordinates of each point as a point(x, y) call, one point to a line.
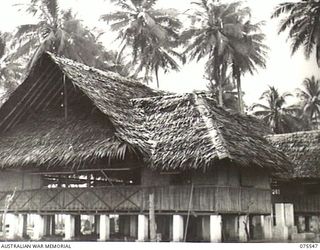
point(65, 99)
point(81, 171)
point(40, 87)
point(53, 97)
point(53, 100)
point(49, 94)
point(26, 95)
point(23, 112)
point(53, 80)
point(28, 106)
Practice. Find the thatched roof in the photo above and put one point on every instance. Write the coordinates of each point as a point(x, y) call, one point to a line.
point(303, 149)
point(108, 112)
point(52, 140)
point(191, 131)
point(111, 93)
point(106, 91)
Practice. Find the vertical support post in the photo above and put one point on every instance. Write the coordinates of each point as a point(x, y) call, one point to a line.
point(289, 214)
point(177, 228)
point(65, 99)
point(281, 230)
point(280, 216)
point(22, 225)
point(215, 228)
point(69, 227)
point(77, 225)
point(53, 224)
point(97, 224)
point(170, 228)
point(267, 227)
point(153, 230)
point(242, 228)
point(104, 227)
point(47, 224)
point(133, 226)
point(38, 229)
point(289, 219)
point(205, 228)
point(11, 227)
point(142, 227)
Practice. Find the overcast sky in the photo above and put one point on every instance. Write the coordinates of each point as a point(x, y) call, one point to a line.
point(283, 71)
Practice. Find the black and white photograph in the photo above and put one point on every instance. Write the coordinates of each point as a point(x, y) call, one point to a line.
point(158, 121)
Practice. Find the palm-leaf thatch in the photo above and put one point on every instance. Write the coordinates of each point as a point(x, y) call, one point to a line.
point(52, 142)
point(55, 141)
point(108, 115)
point(190, 131)
point(111, 94)
point(303, 149)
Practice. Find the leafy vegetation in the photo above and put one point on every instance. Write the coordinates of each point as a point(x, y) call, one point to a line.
point(302, 20)
point(275, 113)
point(309, 96)
point(154, 40)
point(223, 34)
point(151, 35)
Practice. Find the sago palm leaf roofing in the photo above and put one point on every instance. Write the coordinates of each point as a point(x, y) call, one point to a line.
point(191, 131)
point(303, 149)
point(187, 131)
point(51, 140)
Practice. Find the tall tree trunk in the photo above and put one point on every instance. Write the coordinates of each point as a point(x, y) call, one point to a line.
point(220, 95)
point(217, 77)
point(276, 123)
point(119, 57)
point(156, 71)
point(239, 90)
point(237, 75)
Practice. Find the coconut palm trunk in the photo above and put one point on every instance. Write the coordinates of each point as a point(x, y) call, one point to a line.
point(156, 71)
point(239, 91)
point(217, 75)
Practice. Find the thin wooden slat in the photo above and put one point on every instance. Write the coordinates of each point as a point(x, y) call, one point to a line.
point(33, 91)
point(79, 171)
point(53, 97)
point(54, 89)
point(65, 99)
point(4, 119)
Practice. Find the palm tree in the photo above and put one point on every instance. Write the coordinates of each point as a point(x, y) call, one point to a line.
point(229, 93)
point(310, 100)
point(303, 23)
point(280, 118)
point(150, 34)
point(59, 32)
point(249, 52)
point(221, 34)
point(10, 71)
point(155, 57)
point(212, 25)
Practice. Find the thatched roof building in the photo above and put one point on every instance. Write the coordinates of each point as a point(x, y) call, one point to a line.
point(66, 113)
point(303, 149)
point(190, 131)
point(100, 122)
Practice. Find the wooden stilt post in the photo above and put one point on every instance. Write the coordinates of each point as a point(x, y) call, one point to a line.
point(188, 216)
point(8, 201)
point(153, 230)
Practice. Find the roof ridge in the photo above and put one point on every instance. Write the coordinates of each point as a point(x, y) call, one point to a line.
point(294, 133)
point(211, 125)
point(106, 73)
